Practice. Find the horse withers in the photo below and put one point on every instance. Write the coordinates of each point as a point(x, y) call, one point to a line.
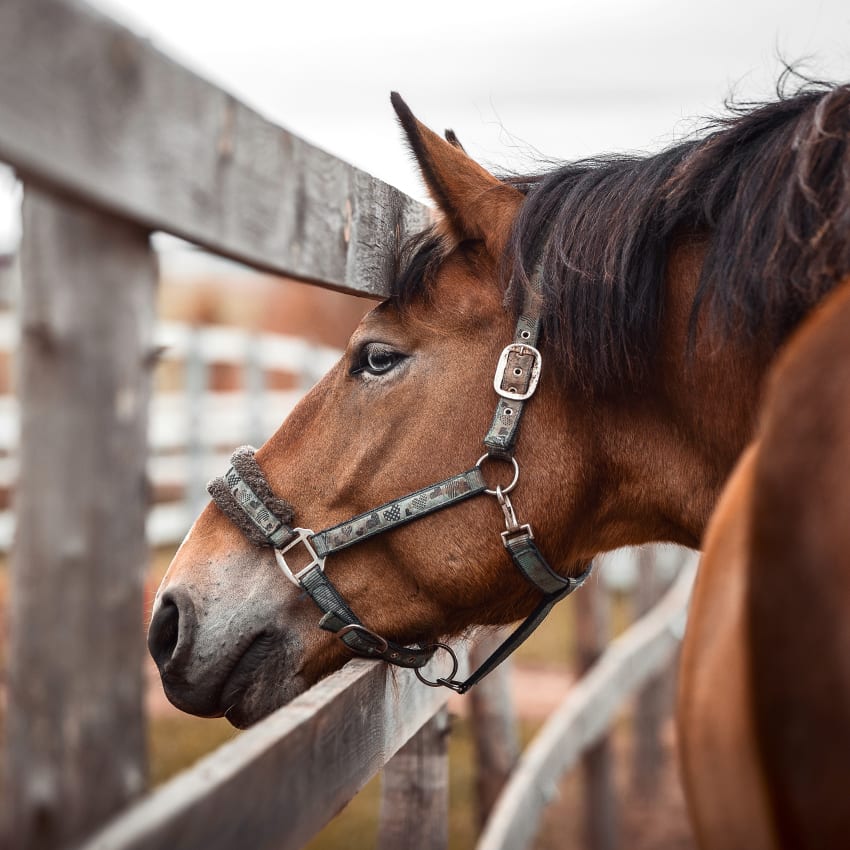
point(663, 285)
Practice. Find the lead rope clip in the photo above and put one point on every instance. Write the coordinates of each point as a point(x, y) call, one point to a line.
point(512, 526)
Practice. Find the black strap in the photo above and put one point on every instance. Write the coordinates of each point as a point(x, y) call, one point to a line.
point(342, 621)
point(531, 566)
point(413, 506)
point(502, 434)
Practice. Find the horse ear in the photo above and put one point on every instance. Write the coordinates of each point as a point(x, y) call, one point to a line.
point(452, 139)
point(474, 204)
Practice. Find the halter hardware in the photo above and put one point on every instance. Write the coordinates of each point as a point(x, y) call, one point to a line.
point(444, 681)
point(517, 371)
point(303, 537)
point(498, 489)
point(381, 644)
point(257, 512)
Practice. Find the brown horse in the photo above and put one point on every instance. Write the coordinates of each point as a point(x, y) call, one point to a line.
point(665, 285)
point(764, 706)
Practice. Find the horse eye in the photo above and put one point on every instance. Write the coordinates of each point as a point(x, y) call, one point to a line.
point(377, 359)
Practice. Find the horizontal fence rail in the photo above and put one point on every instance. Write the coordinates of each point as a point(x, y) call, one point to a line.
point(630, 661)
point(91, 110)
point(281, 781)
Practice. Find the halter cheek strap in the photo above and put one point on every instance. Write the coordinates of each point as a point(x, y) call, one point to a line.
point(243, 494)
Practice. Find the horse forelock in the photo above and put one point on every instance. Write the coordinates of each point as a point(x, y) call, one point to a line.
point(766, 189)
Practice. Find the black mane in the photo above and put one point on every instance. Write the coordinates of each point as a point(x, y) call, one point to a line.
point(768, 190)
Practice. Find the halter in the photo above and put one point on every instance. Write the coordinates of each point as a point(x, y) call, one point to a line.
point(244, 495)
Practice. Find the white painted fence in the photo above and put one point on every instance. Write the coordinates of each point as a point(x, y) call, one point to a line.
point(192, 432)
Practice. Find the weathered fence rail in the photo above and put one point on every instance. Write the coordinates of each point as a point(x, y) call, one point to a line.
point(583, 718)
point(113, 140)
point(281, 781)
point(91, 110)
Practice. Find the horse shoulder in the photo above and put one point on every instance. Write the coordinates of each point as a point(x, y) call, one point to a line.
point(724, 784)
point(799, 604)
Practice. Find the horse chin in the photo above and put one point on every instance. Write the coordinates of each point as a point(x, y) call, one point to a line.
point(259, 679)
point(260, 683)
point(260, 699)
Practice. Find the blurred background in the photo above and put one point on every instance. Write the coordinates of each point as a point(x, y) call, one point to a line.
point(523, 85)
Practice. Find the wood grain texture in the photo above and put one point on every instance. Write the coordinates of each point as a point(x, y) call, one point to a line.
point(90, 109)
point(601, 810)
point(654, 699)
point(281, 781)
point(494, 727)
point(75, 744)
point(415, 791)
point(585, 715)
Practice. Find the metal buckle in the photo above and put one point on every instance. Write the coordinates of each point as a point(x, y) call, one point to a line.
point(380, 644)
point(302, 536)
point(522, 349)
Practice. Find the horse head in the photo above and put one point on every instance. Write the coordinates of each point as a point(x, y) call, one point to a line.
point(409, 404)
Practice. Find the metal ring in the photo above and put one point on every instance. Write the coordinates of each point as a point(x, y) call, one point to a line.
point(444, 680)
point(504, 490)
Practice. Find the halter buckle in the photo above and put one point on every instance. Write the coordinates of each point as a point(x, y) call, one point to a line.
point(379, 644)
point(517, 371)
point(302, 535)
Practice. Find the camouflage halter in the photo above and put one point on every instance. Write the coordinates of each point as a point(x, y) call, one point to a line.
point(244, 495)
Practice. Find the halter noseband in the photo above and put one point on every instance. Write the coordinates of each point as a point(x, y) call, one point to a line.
point(244, 495)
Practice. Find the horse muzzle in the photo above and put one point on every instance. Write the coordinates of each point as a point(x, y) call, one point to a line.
point(215, 662)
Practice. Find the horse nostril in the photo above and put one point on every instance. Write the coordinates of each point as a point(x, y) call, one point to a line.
point(166, 627)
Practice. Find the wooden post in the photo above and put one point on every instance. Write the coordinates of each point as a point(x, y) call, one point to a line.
point(601, 827)
point(75, 743)
point(196, 385)
point(415, 791)
point(650, 703)
point(494, 728)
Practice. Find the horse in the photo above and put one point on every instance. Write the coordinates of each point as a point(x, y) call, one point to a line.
point(764, 680)
point(662, 288)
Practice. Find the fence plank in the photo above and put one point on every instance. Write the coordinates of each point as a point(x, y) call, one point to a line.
point(280, 782)
point(494, 728)
point(585, 715)
point(600, 815)
point(75, 737)
point(220, 344)
point(653, 699)
point(91, 109)
point(415, 791)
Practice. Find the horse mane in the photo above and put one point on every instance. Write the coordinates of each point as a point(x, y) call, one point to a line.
point(767, 190)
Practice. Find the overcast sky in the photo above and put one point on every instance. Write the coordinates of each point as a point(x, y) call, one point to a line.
point(514, 80)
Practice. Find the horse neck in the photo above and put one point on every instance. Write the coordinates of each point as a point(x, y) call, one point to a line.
point(673, 446)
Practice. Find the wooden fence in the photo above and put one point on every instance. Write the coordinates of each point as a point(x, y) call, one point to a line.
point(191, 431)
point(112, 141)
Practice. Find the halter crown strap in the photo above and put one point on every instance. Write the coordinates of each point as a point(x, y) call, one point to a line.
point(516, 377)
